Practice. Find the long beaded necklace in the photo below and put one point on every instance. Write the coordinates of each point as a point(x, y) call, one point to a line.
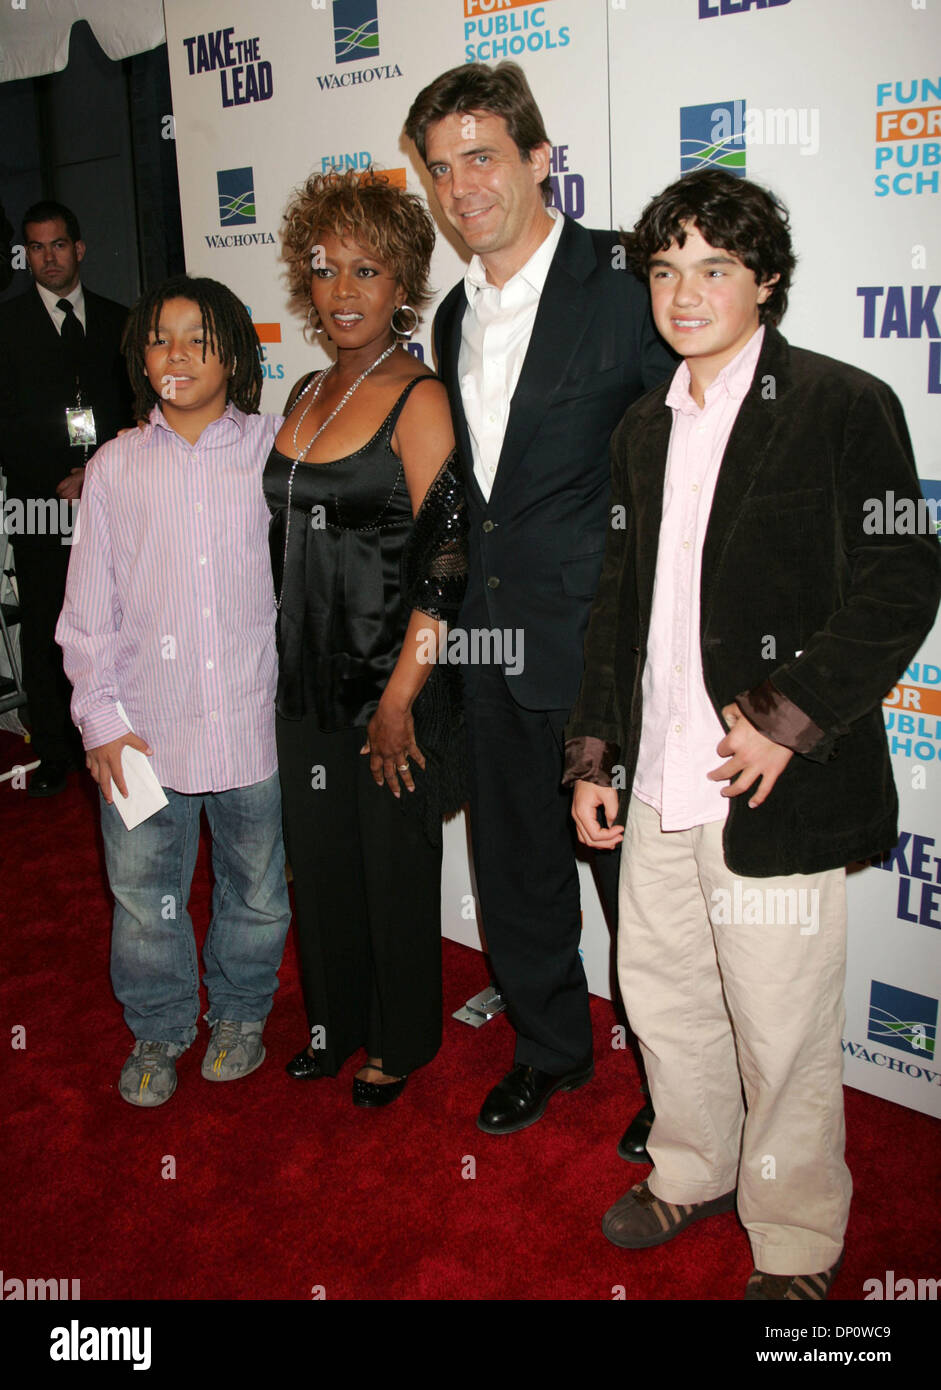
point(299, 458)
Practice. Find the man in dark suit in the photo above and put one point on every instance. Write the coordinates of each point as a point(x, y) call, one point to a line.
point(59, 357)
point(542, 347)
point(749, 620)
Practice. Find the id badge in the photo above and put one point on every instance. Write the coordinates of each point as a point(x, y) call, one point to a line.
point(80, 423)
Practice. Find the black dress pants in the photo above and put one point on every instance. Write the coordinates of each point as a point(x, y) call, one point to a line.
point(367, 892)
point(524, 841)
point(40, 578)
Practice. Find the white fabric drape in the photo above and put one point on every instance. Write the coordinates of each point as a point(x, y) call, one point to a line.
point(35, 39)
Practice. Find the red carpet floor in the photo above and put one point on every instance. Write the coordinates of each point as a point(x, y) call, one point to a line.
point(282, 1189)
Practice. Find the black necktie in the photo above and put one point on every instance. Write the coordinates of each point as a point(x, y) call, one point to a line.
point(73, 334)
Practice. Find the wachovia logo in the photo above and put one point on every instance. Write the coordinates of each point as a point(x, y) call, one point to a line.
point(905, 1020)
point(236, 189)
point(236, 196)
point(356, 38)
point(355, 30)
point(713, 136)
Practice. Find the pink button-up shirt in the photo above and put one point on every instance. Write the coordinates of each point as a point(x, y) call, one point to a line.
point(169, 606)
point(681, 728)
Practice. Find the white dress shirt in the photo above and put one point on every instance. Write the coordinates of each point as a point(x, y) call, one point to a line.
point(495, 335)
point(51, 299)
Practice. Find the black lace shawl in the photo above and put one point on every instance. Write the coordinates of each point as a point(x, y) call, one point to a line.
point(434, 576)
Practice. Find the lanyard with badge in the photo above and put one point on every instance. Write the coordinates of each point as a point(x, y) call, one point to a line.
point(79, 418)
point(80, 421)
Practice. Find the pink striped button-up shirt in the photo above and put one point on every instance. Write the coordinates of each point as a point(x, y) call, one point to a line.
point(169, 606)
point(681, 728)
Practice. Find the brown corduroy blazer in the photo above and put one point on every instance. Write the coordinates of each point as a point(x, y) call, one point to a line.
point(789, 554)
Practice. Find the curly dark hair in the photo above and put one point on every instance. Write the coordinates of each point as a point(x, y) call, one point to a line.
point(499, 91)
point(730, 213)
point(229, 331)
point(365, 207)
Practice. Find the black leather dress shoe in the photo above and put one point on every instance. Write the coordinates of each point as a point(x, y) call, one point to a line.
point(49, 778)
point(372, 1094)
point(520, 1099)
point(633, 1145)
point(304, 1067)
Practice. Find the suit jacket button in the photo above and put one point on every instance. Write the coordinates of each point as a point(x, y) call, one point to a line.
point(493, 582)
point(487, 525)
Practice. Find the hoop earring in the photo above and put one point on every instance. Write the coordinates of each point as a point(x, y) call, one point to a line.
point(404, 332)
point(315, 327)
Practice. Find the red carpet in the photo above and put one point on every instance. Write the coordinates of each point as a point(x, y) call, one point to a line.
point(282, 1188)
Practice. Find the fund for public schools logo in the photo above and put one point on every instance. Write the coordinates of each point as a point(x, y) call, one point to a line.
point(355, 30)
point(908, 124)
point(712, 136)
point(236, 197)
point(903, 1019)
point(496, 29)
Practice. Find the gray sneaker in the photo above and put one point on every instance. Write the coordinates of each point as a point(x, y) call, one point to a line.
point(234, 1050)
point(148, 1077)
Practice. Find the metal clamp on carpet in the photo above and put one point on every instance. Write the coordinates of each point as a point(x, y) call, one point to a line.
point(481, 1007)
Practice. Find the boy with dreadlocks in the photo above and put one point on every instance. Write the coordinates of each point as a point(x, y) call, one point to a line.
point(169, 613)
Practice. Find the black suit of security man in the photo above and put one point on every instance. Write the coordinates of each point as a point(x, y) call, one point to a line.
point(41, 373)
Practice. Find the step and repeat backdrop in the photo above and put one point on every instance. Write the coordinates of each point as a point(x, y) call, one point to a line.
point(837, 107)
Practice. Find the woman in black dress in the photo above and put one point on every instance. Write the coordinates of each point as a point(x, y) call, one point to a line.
point(368, 556)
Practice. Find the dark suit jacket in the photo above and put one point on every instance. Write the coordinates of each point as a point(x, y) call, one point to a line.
point(535, 548)
point(786, 556)
point(37, 383)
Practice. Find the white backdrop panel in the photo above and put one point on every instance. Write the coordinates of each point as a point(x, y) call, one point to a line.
point(810, 83)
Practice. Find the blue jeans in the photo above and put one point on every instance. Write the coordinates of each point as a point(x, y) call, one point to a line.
point(154, 969)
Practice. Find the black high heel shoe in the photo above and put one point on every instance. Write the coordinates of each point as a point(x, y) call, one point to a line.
point(371, 1095)
point(304, 1067)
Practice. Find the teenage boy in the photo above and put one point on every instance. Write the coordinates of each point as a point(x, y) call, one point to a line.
point(169, 610)
point(745, 630)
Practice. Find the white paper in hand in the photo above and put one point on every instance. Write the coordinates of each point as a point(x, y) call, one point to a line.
point(145, 796)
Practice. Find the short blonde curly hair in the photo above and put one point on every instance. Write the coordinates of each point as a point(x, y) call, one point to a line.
point(393, 225)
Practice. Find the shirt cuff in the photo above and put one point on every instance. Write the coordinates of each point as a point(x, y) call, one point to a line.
point(589, 760)
point(778, 718)
point(102, 727)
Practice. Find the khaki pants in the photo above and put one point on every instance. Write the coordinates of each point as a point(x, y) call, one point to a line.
point(736, 984)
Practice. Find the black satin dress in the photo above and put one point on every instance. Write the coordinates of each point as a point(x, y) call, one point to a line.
point(367, 868)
